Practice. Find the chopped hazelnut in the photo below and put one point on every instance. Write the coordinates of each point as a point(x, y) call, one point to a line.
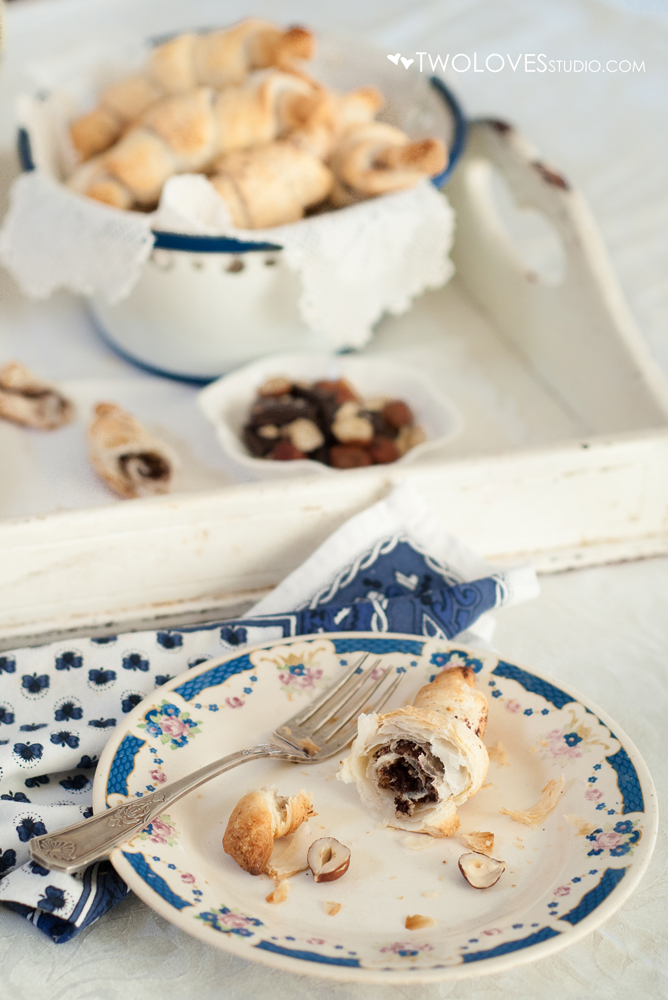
point(352, 429)
point(269, 431)
point(277, 386)
point(305, 435)
point(328, 859)
point(481, 871)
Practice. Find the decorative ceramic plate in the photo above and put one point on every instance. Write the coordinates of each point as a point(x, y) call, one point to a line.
point(561, 880)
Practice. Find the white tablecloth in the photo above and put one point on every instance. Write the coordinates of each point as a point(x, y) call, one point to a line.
point(605, 630)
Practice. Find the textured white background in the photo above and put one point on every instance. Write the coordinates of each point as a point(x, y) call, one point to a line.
point(605, 630)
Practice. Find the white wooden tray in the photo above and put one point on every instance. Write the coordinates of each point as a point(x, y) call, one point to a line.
point(563, 460)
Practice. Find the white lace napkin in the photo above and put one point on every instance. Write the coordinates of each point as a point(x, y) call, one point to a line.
point(354, 264)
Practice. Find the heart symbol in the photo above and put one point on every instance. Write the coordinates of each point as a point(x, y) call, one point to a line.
point(395, 59)
point(407, 62)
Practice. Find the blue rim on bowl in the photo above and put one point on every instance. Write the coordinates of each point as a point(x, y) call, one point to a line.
point(223, 244)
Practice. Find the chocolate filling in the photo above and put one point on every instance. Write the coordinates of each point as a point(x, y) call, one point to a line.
point(406, 776)
point(146, 464)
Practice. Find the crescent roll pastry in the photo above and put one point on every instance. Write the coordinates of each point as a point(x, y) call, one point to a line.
point(217, 60)
point(130, 460)
point(26, 399)
point(373, 158)
point(257, 820)
point(335, 115)
point(185, 132)
point(415, 765)
point(270, 185)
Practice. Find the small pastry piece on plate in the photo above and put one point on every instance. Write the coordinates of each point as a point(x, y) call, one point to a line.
point(259, 818)
point(28, 400)
point(415, 765)
point(130, 460)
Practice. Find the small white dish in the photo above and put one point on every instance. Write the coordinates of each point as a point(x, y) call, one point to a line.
point(226, 404)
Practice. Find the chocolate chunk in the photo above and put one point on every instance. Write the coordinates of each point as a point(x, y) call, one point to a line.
point(321, 455)
point(285, 451)
point(349, 456)
point(381, 425)
point(257, 445)
point(383, 451)
point(280, 411)
point(341, 390)
point(397, 413)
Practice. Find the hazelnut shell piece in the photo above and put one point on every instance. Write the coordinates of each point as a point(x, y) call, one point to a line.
point(481, 871)
point(328, 859)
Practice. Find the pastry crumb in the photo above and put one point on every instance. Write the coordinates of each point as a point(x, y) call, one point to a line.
point(432, 894)
point(480, 841)
point(419, 843)
point(498, 755)
point(537, 813)
point(332, 908)
point(310, 747)
point(280, 893)
point(582, 827)
point(417, 922)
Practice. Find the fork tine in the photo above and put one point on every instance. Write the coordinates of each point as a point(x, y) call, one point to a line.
point(390, 691)
point(329, 693)
point(359, 705)
point(349, 692)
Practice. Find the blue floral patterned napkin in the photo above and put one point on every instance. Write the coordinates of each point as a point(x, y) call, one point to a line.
point(391, 568)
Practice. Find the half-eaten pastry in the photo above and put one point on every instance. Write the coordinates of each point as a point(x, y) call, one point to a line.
point(415, 765)
point(130, 460)
point(257, 820)
point(26, 399)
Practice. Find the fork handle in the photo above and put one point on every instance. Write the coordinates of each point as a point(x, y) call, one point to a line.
point(92, 839)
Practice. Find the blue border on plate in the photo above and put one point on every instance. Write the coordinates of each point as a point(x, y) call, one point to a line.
point(533, 684)
point(213, 677)
point(593, 899)
point(307, 956)
point(123, 764)
point(155, 881)
point(503, 949)
point(627, 780)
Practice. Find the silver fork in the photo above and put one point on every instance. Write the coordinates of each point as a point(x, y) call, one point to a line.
point(320, 731)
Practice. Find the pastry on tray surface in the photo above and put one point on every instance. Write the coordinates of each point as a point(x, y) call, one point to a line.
point(29, 400)
point(131, 461)
point(413, 766)
point(232, 105)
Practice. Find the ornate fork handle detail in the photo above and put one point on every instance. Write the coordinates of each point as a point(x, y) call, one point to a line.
point(92, 839)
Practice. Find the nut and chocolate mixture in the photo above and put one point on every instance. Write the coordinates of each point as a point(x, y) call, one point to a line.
point(406, 775)
point(328, 422)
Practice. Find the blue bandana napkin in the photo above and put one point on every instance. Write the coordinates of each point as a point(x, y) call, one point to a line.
point(391, 568)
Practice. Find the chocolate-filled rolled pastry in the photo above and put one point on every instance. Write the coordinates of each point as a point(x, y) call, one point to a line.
point(130, 460)
point(29, 400)
point(415, 765)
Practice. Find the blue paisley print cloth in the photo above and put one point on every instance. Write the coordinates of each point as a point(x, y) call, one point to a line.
point(390, 569)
